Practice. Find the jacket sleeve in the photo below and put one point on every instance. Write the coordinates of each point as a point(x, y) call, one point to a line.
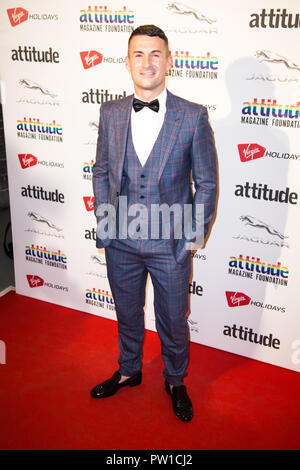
point(100, 170)
point(204, 172)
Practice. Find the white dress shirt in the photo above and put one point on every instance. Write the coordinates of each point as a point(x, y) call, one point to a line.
point(145, 127)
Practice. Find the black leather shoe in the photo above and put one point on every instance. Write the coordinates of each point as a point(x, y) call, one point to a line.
point(182, 405)
point(112, 385)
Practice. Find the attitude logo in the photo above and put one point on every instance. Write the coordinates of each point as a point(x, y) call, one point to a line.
point(35, 93)
point(33, 128)
point(87, 170)
point(28, 160)
point(31, 54)
point(239, 299)
point(275, 19)
point(40, 255)
point(103, 19)
point(36, 281)
point(43, 226)
point(99, 298)
point(247, 334)
point(38, 192)
point(191, 19)
point(90, 58)
point(195, 289)
point(18, 15)
point(257, 228)
point(255, 269)
point(188, 66)
point(267, 112)
point(96, 96)
point(262, 191)
point(90, 234)
point(88, 203)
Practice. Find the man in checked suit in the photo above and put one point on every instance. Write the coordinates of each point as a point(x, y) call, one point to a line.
point(148, 145)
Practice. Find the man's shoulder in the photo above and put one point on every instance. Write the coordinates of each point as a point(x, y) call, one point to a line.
point(185, 104)
point(116, 105)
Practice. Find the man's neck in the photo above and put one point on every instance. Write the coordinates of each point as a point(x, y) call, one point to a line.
point(148, 95)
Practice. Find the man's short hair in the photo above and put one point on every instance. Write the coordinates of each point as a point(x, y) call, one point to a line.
point(150, 30)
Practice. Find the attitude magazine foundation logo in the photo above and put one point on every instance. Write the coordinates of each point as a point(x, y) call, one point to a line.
point(255, 269)
point(19, 15)
point(191, 66)
point(34, 128)
point(99, 298)
point(268, 112)
point(87, 170)
point(102, 18)
point(41, 255)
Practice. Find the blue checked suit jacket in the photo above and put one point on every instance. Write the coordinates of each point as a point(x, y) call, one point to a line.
point(187, 144)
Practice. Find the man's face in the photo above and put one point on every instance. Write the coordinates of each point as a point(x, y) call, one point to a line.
point(148, 61)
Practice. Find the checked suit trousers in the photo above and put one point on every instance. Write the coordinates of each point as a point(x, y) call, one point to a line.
point(128, 265)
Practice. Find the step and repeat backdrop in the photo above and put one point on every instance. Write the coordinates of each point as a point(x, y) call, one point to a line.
point(60, 60)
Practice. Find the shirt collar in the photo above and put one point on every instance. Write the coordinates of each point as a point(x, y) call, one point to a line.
point(162, 98)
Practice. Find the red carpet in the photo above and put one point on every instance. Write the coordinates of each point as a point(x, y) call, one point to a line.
point(55, 355)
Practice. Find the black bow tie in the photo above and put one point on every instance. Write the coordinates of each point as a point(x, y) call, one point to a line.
point(138, 105)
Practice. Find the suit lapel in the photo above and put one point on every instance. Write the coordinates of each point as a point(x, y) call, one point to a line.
point(173, 119)
point(172, 123)
point(122, 119)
